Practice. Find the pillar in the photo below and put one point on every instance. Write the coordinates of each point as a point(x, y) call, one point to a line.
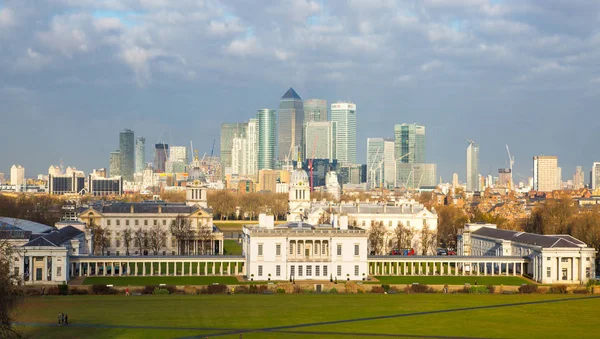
point(159, 268)
point(506, 268)
point(103, 268)
point(426, 268)
point(221, 268)
point(205, 268)
point(144, 268)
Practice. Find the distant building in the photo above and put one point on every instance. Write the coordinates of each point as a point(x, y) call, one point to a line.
point(246, 186)
point(99, 173)
point(319, 140)
point(595, 176)
point(114, 163)
point(375, 162)
point(504, 176)
point(290, 120)
point(54, 170)
point(315, 110)
point(343, 115)
point(472, 167)
point(455, 182)
point(140, 154)
point(252, 147)
point(415, 175)
point(17, 175)
point(389, 163)
point(70, 183)
point(578, 178)
point(161, 154)
point(127, 152)
point(228, 132)
point(409, 143)
point(545, 173)
point(101, 186)
point(178, 160)
point(267, 124)
point(354, 174)
point(2, 179)
point(267, 180)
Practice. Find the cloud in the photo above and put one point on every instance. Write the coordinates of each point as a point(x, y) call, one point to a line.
point(428, 66)
point(7, 18)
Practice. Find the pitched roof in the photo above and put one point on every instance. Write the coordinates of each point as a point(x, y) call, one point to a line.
point(146, 207)
point(291, 94)
point(546, 241)
point(25, 225)
point(55, 238)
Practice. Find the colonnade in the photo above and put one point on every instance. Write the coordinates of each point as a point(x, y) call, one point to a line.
point(472, 267)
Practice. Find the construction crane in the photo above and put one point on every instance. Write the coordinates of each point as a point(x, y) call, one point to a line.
point(511, 162)
point(310, 162)
point(211, 160)
point(373, 169)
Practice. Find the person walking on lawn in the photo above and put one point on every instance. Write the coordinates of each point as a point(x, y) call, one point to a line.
point(127, 291)
point(59, 319)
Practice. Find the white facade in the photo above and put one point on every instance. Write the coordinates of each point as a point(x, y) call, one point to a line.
point(343, 115)
point(239, 152)
point(17, 175)
point(304, 252)
point(595, 176)
point(389, 163)
point(545, 173)
point(472, 167)
point(252, 147)
point(299, 196)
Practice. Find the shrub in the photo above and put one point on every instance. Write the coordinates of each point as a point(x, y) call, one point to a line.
point(333, 291)
point(77, 291)
point(386, 288)
point(63, 289)
point(418, 288)
point(297, 289)
point(281, 291)
point(52, 290)
point(581, 290)
point(528, 289)
point(160, 291)
point(171, 288)
point(560, 289)
point(214, 289)
point(241, 289)
point(377, 289)
point(103, 289)
point(479, 289)
point(149, 289)
point(491, 289)
point(190, 290)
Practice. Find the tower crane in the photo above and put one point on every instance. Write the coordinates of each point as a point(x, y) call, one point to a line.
point(511, 162)
point(310, 162)
point(212, 151)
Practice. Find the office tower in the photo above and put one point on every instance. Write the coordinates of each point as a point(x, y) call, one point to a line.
point(140, 154)
point(114, 163)
point(2, 178)
point(315, 110)
point(228, 132)
point(178, 160)
point(161, 154)
point(127, 149)
point(409, 143)
point(389, 163)
point(578, 178)
point(319, 140)
point(504, 177)
point(17, 175)
point(415, 175)
point(375, 162)
point(252, 147)
point(559, 178)
point(595, 176)
point(101, 186)
point(455, 183)
point(343, 116)
point(545, 173)
point(266, 138)
point(72, 182)
point(239, 155)
point(290, 126)
point(472, 167)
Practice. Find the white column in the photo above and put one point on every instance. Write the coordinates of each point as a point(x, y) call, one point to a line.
point(205, 268)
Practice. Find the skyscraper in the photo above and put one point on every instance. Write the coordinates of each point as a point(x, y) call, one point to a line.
point(472, 167)
point(252, 145)
point(415, 175)
point(389, 163)
point(290, 126)
point(140, 154)
point(17, 175)
point(375, 162)
point(318, 140)
point(161, 154)
point(343, 116)
point(315, 110)
point(178, 159)
point(127, 149)
point(228, 132)
point(595, 176)
point(545, 173)
point(409, 143)
point(267, 122)
point(455, 183)
point(114, 163)
point(578, 178)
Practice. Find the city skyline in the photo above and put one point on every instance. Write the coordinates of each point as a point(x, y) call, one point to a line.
point(494, 72)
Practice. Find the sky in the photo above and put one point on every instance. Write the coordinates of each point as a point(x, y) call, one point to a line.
point(73, 73)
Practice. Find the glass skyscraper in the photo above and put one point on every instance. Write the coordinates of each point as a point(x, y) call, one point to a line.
point(127, 149)
point(472, 167)
point(291, 122)
point(228, 132)
point(267, 121)
point(161, 154)
point(343, 118)
point(315, 110)
point(114, 163)
point(140, 154)
point(409, 143)
point(318, 140)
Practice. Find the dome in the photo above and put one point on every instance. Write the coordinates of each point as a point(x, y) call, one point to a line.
point(299, 178)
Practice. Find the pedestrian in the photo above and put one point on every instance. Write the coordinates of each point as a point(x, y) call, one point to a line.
point(43, 291)
point(66, 319)
point(127, 291)
point(59, 319)
point(62, 318)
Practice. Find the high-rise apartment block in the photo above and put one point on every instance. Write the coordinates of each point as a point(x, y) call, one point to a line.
point(319, 140)
point(252, 147)
point(545, 173)
point(578, 178)
point(140, 154)
point(290, 126)
point(114, 163)
point(267, 122)
point(315, 110)
point(409, 143)
point(343, 115)
point(127, 149)
point(17, 175)
point(595, 176)
point(472, 167)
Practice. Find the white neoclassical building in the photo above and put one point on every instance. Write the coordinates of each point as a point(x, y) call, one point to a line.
point(301, 251)
point(551, 258)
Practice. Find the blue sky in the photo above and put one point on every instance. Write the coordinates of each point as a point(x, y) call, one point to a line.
point(523, 73)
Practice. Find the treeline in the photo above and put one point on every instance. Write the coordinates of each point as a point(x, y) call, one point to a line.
point(227, 205)
point(44, 209)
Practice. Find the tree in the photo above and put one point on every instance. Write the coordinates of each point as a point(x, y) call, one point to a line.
point(428, 240)
point(552, 217)
point(181, 229)
point(205, 236)
point(157, 239)
point(222, 202)
point(10, 293)
point(586, 227)
point(377, 235)
point(403, 236)
point(100, 238)
point(127, 238)
point(140, 239)
point(450, 220)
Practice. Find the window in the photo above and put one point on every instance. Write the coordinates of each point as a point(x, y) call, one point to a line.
point(317, 270)
point(136, 252)
point(173, 242)
point(260, 270)
point(107, 252)
point(356, 249)
point(587, 272)
point(127, 222)
point(155, 222)
point(316, 248)
point(292, 271)
point(548, 258)
point(16, 271)
point(308, 271)
point(278, 270)
point(339, 270)
point(587, 259)
point(548, 272)
point(408, 223)
point(339, 249)
point(260, 249)
point(145, 222)
point(291, 248)
point(164, 222)
point(424, 222)
point(59, 271)
point(299, 270)
point(108, 222)
point(298, 248)
point(323, 247)
point(118, 222)
point(564, 259)
point(356, 270)
point(278, 249)
point(172, 253)
point(324, 271)
point(390, 223)
point(136, 222)
point(118, 253)
point(118, 243)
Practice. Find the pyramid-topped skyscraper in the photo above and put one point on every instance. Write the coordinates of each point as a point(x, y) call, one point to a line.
point(290, 121)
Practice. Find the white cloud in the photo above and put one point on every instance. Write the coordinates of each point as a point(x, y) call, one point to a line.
point(138, 59)
point(7, 17)
point(67, 34)
point(108, 24)
point(243, 47)
point(426, 67)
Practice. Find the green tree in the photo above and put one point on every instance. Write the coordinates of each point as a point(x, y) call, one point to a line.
point(10, 293)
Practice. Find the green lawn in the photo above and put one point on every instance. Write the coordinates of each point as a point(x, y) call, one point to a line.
point(451, 280)
point(231, 247)
point(142, 281)
point(184, 316)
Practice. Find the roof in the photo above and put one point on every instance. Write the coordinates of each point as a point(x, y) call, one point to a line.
point(146, 207)
point(55, 238)
point(291, 94)
point(25, 225)
point(546, 241)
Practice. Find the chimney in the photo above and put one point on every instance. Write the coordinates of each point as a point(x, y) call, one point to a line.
point(131, 209)
point(343, 222)
point(270, 221)
point(159, 208)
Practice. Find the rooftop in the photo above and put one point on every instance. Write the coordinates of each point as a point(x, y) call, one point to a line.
point(291, 94)
point(546, 241)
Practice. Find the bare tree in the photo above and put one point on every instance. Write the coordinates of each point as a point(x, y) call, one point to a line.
point(403, 235)
point(100, 238)
point(10, 293)
point(428, 241)
point(376, 238)
point(157, 239)
point(181, 229)
point(205, 236)
point(140, 239)
point(127, 239)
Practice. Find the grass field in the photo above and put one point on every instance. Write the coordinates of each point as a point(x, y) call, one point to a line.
point(303, 316)
point(231, 247)
point(143, 281)
point(452, 280)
